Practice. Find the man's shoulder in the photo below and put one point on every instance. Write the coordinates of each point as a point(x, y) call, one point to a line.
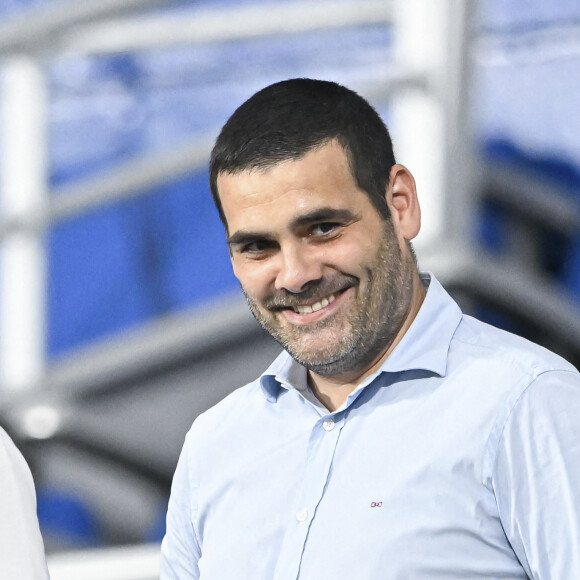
point(10, 456)
point(496, 345)
point(237, 404)
point(230, 415)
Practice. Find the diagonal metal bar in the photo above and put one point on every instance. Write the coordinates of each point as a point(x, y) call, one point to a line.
point(42, 26)
point(130, 180)
point(224, 24)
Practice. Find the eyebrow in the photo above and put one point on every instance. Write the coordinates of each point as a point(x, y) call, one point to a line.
point(242, 237)
point(324, 214)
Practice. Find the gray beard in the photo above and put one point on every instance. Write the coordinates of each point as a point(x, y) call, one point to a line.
point(356, 350)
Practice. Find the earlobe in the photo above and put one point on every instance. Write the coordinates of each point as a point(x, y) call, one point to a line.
point(401, 196)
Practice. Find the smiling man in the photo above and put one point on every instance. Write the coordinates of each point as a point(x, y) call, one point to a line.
point(394, 437)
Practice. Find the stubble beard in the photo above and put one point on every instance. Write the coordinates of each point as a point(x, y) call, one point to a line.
point(347, 342)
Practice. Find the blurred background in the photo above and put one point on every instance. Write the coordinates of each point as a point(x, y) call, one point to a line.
point(120, 320)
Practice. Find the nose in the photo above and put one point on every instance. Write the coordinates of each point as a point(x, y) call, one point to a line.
point(299, 266)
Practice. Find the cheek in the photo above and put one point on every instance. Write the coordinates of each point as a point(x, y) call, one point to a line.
point(254, 278)
point(350, 256)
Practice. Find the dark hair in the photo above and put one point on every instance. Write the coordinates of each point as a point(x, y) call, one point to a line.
point(288, 119)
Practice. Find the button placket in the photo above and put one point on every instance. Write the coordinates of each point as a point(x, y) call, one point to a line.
point(320, 454)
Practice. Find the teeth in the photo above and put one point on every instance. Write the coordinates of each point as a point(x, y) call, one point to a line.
point(316, 306)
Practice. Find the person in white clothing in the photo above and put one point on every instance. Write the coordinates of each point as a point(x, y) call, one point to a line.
point(21, 546)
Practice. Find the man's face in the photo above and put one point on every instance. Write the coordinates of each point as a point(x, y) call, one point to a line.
point(323, 273)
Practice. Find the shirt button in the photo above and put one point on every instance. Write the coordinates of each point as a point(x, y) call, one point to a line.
point(302, 514)
point(328, 425)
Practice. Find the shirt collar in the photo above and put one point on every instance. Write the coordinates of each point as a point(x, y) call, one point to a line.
point(284, 372)
point(424, 346)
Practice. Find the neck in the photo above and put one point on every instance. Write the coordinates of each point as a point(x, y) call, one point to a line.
point(332, 391)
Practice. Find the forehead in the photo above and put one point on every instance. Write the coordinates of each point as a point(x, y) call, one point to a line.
point(258, 197)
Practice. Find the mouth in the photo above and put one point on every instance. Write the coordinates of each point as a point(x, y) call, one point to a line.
point(319, 305)
point(310, 306)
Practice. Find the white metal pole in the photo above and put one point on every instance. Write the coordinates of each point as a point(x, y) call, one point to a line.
point(418, 119)
point(463, 176)
point(23, 190)
point(428, 121)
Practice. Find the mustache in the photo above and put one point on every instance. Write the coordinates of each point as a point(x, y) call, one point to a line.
point(316, 290)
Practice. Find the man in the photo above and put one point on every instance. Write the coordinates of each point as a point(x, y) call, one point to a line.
point(395, 438)
point(21, 546)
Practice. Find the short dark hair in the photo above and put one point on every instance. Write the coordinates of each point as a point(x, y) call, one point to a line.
point(288, 119)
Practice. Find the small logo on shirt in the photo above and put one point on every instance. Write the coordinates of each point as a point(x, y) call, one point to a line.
point(376, 504)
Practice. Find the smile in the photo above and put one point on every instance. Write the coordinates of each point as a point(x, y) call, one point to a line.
point(308, 309)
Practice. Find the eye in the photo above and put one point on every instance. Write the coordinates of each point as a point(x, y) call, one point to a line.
point(256, 247)
point(324, 228)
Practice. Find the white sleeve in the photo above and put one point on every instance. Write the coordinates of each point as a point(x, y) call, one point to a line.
point(537, 477)
point(180, 550)
point(21, 546)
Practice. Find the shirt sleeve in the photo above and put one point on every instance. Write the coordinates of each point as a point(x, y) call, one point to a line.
point(21, 545)
point(180, 550)
point(537, 477)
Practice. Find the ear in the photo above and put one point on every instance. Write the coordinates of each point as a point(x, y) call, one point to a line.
point(401, 196)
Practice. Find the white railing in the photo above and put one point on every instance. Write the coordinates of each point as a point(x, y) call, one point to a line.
point(126, 563)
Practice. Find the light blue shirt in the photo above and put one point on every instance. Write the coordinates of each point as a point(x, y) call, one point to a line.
point(458, 459)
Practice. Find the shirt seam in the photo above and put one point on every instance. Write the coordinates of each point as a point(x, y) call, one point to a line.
point(193, 504)
point(493, 462)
